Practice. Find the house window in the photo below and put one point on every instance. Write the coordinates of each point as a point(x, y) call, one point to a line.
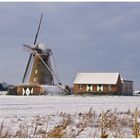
point(80, 86)
point(99, 88)
point(89, 88)
point(109, 87)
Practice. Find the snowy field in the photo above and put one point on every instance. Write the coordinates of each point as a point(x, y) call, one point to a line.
point(69, 116)
point(11, 106)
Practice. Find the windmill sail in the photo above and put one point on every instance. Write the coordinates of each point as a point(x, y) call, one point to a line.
point(28, 68)
point(36, 36)
point(31, 55)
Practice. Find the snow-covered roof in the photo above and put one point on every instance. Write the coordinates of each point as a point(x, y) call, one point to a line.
point(96, 78)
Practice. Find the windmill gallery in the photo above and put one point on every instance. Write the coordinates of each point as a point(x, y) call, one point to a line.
point(40, 77)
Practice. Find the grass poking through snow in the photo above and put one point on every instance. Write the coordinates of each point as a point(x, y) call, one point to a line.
point(107, 124)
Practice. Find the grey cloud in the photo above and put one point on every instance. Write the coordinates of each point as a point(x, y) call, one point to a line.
point(85, 37)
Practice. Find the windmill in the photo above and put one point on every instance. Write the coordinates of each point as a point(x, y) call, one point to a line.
point(40, 71)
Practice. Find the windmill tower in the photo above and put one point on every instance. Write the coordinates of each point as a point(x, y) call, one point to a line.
point(40, 71)
point(40, 74)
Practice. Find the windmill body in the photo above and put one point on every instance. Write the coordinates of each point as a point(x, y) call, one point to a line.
point(40, 72)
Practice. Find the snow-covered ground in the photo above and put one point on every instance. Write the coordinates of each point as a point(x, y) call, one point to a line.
point(11, 106)
point(67, 116)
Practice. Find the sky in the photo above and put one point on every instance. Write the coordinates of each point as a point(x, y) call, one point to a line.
point(84, 37)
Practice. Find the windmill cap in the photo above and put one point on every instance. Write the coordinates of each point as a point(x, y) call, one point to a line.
point(42, 46)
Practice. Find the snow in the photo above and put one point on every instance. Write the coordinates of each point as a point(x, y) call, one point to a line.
point(96, 78)
point(11, 106)
point(46, 112)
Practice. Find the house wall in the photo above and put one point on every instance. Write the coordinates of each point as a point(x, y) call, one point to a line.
point(127, 86)
point(107, 89)
point(83, 88)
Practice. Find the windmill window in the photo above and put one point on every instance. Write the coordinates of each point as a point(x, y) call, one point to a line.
point(35, 79)
point(36, 71)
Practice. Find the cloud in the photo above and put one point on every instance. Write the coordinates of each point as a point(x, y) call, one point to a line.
point(85, 37)
point(132, 36)
point(111, 23)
